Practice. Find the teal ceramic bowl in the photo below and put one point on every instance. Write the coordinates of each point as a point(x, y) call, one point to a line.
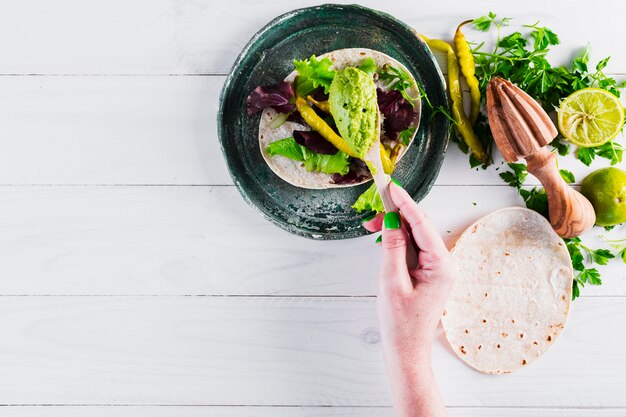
point(268, 58)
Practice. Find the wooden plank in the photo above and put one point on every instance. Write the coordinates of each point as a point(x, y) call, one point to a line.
point(140, 130)
point(192, 37)
point(272, 352)
point(247, 411)
point(201, 240)
point(110, 130)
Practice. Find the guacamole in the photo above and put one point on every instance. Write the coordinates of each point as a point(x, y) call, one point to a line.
point(353, 105)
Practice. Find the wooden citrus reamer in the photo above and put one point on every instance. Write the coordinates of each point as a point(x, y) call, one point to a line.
point(522, 129)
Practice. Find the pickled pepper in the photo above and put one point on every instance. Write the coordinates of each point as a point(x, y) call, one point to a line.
point(468, 69)
point(463, 124)
point(320, 126)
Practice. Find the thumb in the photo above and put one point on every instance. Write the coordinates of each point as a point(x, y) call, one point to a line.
point(395, 242)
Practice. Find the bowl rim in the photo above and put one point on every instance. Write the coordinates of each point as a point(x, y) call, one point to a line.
point(428, 180)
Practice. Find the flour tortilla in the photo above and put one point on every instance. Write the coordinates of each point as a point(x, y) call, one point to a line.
point(514, 291)
point(292, 171)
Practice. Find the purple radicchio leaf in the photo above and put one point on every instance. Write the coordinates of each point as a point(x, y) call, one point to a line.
point(399, 114)
point(314, 142)
point(296, 118)
point(319, 95)
point(358, 173)
point(277, 96)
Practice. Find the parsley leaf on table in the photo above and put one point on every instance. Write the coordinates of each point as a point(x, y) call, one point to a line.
point(611, 150)
point(582, 273)
point(567, 176)
point(516, 177)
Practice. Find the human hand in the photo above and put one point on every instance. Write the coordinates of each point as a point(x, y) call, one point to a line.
point(411, 301)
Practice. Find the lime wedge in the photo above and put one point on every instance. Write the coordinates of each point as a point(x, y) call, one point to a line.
point(590, 117)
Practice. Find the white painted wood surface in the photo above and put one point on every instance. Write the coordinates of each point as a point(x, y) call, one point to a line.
point(306, 351)
point(134, 280)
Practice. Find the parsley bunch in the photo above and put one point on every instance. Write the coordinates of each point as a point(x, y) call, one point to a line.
point(522, 60)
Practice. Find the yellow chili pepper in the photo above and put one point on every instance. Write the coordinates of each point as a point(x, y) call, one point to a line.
point(320, 126)
point(385, 158)
point(322, 105)
point(463, 125)
point(468, 69)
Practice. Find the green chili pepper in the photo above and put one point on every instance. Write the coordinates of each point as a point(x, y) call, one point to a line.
point(463, 124)
point(468, 69)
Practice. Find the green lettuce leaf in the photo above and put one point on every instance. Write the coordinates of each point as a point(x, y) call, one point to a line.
point(368, 66)
point(338, 163)
point(329, 164)
point(369, 201)
point(312, 74)
point(287, 148)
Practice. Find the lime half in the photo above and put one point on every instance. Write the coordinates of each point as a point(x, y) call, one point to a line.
point(590, 117)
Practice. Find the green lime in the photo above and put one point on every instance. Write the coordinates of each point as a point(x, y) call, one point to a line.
point(606, 189)
point(590, 117)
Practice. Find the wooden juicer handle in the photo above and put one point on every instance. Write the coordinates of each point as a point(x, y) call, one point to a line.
point(522, 129)
point(570, 212)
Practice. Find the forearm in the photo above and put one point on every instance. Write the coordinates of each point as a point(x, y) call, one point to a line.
point(415, 392)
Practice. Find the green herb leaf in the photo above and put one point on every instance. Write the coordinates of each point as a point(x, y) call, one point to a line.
point(516, 177)
point(543, 36)
point(536, 199)
point(397, 79)
point(405, 136)
point(561, 148)
point(591, 276)
point(622, 254)
point(602, 64)
point(567, 176)
point(611, 150)
point(601, 256)
point(483, 23)
point(575, 290)
point(586, 155)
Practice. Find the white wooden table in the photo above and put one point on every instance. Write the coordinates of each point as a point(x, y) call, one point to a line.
point(134, 280)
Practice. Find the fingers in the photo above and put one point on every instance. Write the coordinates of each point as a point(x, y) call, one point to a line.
point(394, 273)
point(375, 224)
point(426, 236)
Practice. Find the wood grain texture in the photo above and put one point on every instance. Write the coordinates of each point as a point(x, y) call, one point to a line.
point(199, 37)
point(273, 351)
point(204, 411)
point(521, 129)
point(143, 130)
point(570, 213)
point(202, 240)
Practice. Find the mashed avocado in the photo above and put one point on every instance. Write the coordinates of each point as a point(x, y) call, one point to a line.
point(353, 106)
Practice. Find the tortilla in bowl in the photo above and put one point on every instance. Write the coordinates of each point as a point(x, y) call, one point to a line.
point(292, 171)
